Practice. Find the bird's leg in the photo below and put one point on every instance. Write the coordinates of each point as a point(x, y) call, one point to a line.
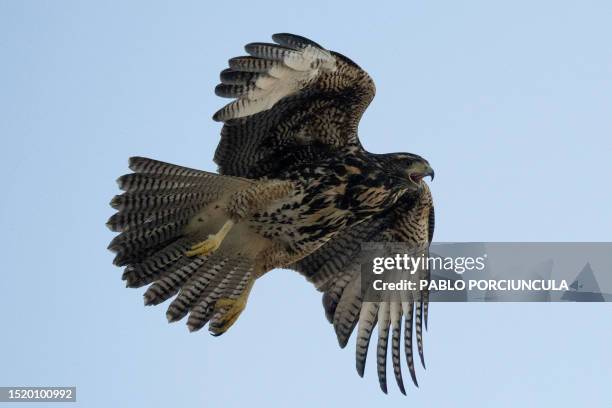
point(228, 310)
point(213, 241)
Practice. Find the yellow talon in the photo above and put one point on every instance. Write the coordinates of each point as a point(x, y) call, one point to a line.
point(205, 247)
point(230, 310)
point(212, 243)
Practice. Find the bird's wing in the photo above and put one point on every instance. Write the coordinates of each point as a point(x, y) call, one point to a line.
point(332, 269)
point(291, 98)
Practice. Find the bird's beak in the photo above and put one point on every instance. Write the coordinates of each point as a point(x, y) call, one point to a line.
point(430, 173)
point(420, 170)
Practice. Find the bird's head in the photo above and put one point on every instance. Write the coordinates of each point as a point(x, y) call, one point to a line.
point(409, 167)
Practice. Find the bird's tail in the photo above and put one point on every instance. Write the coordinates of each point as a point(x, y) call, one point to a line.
point(159, 204)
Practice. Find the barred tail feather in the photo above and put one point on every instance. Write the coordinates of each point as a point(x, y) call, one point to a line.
point(169, 284)
point(153, 267)
point(159, 201)
point(228, 283)
point(193, 288)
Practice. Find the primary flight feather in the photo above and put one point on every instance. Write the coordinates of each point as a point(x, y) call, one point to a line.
point(295, 190)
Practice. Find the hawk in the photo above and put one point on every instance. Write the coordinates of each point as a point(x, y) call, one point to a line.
point(295, 190)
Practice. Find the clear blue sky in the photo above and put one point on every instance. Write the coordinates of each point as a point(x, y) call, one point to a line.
point(510, 101)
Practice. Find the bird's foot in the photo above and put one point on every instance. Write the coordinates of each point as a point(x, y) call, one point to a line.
point(228, 310)
point(212, 243)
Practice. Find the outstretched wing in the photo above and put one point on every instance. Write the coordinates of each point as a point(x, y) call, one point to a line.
point(293, 98)
point(332, 269)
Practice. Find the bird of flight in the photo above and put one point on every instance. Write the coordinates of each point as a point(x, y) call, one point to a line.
point(295, 190)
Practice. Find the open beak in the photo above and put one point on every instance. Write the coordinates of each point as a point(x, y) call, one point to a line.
point(430, 173)
point(420, 171)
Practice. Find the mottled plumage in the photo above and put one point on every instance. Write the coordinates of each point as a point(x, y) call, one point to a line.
point(295, 189)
